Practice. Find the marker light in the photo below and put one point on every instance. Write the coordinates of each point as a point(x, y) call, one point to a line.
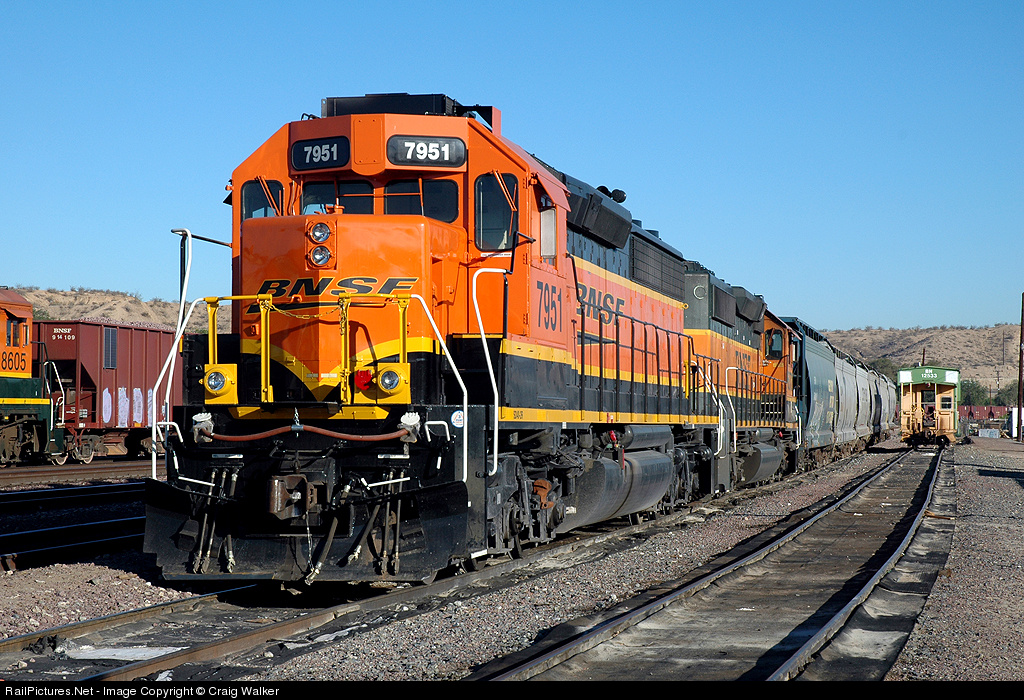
point(363, 378)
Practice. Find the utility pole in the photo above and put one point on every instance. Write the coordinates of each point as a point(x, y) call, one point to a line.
point(1020, 376)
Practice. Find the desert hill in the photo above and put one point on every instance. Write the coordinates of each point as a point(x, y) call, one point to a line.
point(78, 304)
point(977, 352)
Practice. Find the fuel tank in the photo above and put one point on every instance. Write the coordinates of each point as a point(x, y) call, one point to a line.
point(758, 462)
point(610, 488)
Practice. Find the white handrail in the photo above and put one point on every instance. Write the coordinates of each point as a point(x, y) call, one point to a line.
point(168, 363)
point(462, 385)
point(711, 390)
point(728, 397)
point(487, 358)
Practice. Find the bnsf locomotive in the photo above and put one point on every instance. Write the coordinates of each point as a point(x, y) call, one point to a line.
point(443, 349)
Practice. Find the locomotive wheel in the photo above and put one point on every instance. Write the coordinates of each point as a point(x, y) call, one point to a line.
point(517, 546)
point(514, 526)
point(60, 459)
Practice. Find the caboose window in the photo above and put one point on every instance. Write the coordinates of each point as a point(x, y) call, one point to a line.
point(439, 199)
point(497, 216)
point(255, 202)
point(355, 196)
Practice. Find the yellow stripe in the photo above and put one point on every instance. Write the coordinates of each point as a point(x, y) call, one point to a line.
point(532, 351)
point(39, 402)
point(546, 353)
point(557, 415)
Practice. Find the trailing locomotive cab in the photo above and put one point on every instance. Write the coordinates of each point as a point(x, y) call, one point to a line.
point(929, 397)
point(26, 416)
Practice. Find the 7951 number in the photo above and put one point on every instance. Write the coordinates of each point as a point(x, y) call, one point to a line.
point(418, 150)
point(549, 314)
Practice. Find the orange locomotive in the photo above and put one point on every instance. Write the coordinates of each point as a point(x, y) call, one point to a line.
point(443, 349)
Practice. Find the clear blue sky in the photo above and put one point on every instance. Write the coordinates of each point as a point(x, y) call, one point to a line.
point(857, 163)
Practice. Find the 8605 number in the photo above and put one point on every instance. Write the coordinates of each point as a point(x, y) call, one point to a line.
point(13, 362)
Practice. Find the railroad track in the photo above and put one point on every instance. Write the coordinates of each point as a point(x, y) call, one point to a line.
point(771, 614)
point(20, 502)
point(41, 475)
point(43, 546)
point(211, 639)
point(85, 524)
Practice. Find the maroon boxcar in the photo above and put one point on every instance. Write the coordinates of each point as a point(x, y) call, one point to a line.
point(101, 377)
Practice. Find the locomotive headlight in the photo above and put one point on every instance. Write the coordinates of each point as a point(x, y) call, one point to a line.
point(215, 382)
point(389, 380)
point(320, 256)
point(221, 382)
point(320, 233)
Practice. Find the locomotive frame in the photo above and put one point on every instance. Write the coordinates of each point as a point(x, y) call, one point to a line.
point(444, 349)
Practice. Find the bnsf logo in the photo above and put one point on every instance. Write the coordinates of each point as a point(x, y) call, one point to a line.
point(598, 304)
point(327, 285)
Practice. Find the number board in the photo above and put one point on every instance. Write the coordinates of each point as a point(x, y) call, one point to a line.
point(318, 154)
point(427, 150)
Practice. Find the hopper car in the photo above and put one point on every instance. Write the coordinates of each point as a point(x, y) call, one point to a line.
point(444, 349)
point(75, 389)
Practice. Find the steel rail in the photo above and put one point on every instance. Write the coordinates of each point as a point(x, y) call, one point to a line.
point(796, 663)
point(611, 627)
point(19, 548)
point(72, 496)
point(84, 627)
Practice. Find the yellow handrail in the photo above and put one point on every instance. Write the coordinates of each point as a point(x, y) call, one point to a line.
point(345, 301)
point(212, 304)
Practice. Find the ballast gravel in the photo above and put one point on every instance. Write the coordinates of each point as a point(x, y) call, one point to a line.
point(971, 629)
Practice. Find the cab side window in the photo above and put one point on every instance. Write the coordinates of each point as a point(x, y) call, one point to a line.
point(13, 333)
point(255, 202)
point(773, 345)
point(497, 215)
